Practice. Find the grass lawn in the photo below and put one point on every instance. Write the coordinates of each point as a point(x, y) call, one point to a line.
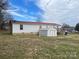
point(33, 47)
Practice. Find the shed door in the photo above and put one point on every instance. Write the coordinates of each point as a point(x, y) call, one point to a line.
point(53, 32)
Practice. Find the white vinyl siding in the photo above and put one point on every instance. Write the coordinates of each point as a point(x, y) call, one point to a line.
point(34, 28)
point(26, 28)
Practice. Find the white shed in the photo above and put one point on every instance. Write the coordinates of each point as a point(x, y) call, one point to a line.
point(48, 32)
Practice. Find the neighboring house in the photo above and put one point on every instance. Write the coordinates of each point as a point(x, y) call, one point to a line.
point(70, 29)
point(32, 27)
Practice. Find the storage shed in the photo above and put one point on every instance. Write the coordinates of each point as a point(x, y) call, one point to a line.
point(48, 32)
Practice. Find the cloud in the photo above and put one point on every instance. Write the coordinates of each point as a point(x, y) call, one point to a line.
point(15, 13)
point(60, 11)
point(19, 12)
point(16, 8)
point(24, 16)
point(63, 11)
point(13, 10)
point(13, 6)
point(20, 15)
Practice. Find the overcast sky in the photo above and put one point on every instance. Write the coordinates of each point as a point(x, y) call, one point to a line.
point(53, 11)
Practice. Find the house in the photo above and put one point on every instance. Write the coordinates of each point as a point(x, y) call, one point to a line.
point(69, 29)
point(32, 27)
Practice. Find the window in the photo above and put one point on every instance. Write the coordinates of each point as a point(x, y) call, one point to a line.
point(21, 27)
point(40, 26)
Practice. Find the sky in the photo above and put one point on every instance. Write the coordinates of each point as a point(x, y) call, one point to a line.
point(51, 11)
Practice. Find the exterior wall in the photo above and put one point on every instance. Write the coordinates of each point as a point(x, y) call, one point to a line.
point(43, 26)
point(48, 32)
point(26, 28)
point(43, 32)
point(52, 32)
point(48, 26)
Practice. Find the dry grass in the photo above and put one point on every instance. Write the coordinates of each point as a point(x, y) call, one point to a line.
point(28, 46)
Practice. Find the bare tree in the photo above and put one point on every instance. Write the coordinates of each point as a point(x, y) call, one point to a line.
point(4, 16)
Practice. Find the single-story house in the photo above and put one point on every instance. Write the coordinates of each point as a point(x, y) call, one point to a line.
point(33, 27)
point(69, 29)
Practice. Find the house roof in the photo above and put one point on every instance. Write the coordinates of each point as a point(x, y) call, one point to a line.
point(23, 22)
